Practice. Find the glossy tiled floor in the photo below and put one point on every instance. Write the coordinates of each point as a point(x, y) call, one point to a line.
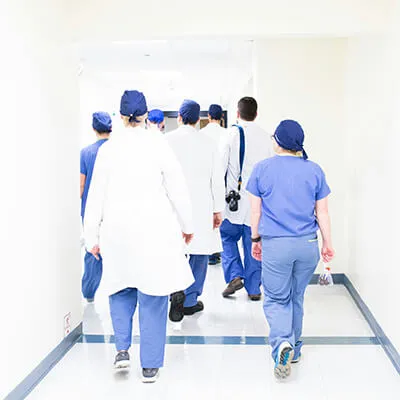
point(232, 371)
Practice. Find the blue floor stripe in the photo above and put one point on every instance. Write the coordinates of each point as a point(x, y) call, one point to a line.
point(241, 340)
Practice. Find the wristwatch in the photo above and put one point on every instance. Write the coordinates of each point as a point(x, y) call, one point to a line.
point(256, 240)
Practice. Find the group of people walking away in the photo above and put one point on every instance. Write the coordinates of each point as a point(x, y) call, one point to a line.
point(156, 207)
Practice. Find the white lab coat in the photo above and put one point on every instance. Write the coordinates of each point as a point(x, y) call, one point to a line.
point(258, 146)
point(153, 128)
point(218, 134)
point(137, 207)
point(201, 165)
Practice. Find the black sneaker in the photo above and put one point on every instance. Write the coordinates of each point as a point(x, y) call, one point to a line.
point(149, 375)
point(195, 309)
point(122, 361)
point(233, 286)
point(176, 312)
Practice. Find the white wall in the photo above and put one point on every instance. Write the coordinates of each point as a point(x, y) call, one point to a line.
point(303, 79)
point(373, 112)
point(39, 204)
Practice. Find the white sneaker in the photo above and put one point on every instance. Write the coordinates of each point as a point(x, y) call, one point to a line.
point(122, 361)
point(283, 360)
point(150, 375)
point(296, 360)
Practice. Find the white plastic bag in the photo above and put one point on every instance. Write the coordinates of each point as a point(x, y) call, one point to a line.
point(326, 279)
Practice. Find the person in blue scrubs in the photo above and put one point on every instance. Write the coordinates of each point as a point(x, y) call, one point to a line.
point(289, 201)
point(102, 126)
point(156, 120)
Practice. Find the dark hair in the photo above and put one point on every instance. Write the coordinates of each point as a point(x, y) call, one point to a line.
point(247, 108)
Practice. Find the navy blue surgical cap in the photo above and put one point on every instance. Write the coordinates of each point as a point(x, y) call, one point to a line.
point(190, 112)
point(102, 122)
point(215, 111)
point(156, 116)
point(133, 104)
point(290, 136)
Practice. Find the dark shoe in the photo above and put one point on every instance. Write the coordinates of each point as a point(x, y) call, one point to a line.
point(149, 375)
point(122, 361)
point(214, 259)
point(195, 309)
point(233, 286)
point(176, 313)
point(255, 297)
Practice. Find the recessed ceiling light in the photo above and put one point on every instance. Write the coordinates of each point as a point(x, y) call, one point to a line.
point(147, 55)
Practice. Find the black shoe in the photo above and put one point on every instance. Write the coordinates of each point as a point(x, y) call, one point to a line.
point(255, 297)
point(176, 313)
point(214, 259)
point(149, 375)
point(122, 361)
point(195, 309)
point(233, 286)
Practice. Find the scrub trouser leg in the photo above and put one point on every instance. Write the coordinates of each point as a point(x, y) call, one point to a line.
point(92, 276)
point(231, 260)
point(122, 308)
point(199, 265)
point(153, 311)
point(152, 319)
point(252, 267)
point(287, 268)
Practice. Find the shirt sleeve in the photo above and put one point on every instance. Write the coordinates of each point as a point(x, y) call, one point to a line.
point(323, 190)
point(226, 151)
point(83, 163)
point(252, 184)
point(217, 183)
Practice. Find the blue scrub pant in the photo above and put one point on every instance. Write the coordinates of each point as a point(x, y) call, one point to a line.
point(153, 312)
point(92, 276)
point(199, 265)
point(231, 261)
point(288, 265)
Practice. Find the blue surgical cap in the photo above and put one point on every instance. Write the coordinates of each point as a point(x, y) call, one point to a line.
point(156, 116)
point(290, 136)
point(215, 111)
point(190, 112)
point(133, 104)
point(102, 122)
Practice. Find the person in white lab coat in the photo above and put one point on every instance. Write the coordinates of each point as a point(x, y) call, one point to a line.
point(156, 121)
point(256, 146)
point(216, 132)
point(202, 167)
point(137, 208)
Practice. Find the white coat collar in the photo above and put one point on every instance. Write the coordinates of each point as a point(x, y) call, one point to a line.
point(187, 128)
point(245, 123)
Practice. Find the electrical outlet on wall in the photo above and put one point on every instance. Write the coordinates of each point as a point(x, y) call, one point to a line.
point(67, 324)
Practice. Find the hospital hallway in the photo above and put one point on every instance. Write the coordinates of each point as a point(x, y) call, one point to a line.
point(221, 354)
point(76, 76)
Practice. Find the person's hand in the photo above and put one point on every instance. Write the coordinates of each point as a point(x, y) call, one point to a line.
point(95, 252)
point(327, 253)
point(256, 251)
point(217, 220)
point(188, 237)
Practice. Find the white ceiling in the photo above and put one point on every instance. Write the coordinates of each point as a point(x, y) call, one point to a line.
point(175, 54)
point(167, 71)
